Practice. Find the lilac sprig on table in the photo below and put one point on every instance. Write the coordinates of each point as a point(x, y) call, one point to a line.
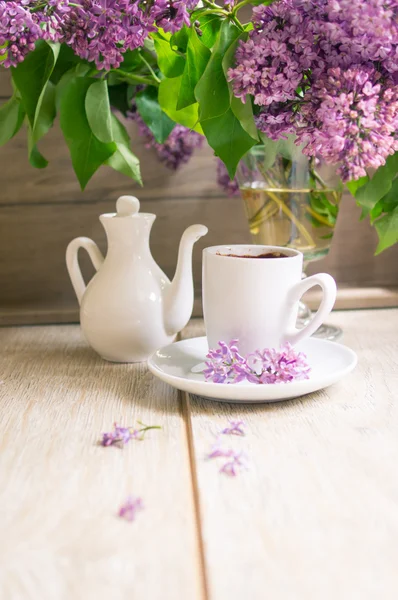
point(130, 508)
point(226, 365)
point(120, 436)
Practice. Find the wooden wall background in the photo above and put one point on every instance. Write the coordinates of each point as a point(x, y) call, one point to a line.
point(41, 211)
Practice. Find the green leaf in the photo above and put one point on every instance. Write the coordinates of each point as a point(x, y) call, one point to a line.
point(198, 56)
point(212, 91)
point(66, 60)
point(123, 160)
point(390, 200)
point(209, 26)
point(228, 139)
point(151, 113)
point(369, 194)
point(11, 118)
point(221, 115)
point(44, 122)
point(32, 79)
point(47, 112)
point(243, 111)
point(244, 114)
point(169, 90)
point(180, 39)
point(118, 97)
point(36, 159)
point(387, 204)
point(32, 75)
point(353, 186)
point(387, 229)
point(87, 152)
point(170, 63)
point(120, 135)
point(98, 111)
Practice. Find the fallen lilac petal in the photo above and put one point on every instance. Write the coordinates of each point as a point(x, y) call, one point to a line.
point(235, 428)
point(130, 508)
point(232, 467)
point(229, 468)
point(217, 450)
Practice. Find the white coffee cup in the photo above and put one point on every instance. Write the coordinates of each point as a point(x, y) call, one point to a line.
point(256, 299)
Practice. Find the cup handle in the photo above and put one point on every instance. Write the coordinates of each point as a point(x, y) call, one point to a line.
point(328, 286)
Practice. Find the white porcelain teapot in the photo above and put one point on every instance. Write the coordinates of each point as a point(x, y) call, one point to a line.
point(130, 308)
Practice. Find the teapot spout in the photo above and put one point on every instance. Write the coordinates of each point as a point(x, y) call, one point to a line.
point(179, 297)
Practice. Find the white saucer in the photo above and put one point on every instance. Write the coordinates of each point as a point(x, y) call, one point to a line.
point(177, 365)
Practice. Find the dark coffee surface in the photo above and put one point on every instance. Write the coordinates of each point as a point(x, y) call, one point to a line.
point(266, 255)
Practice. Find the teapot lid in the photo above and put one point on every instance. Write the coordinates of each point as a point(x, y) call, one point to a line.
point(127, 206)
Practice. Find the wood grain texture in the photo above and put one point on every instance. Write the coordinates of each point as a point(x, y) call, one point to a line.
point(22, 184)
point(316, 515)
point(351, 298)
point(34, 280)
point(60, 491)
point(5, 83)
point(33, 242)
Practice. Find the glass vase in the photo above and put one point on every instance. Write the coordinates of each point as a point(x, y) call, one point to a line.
point(291, 200)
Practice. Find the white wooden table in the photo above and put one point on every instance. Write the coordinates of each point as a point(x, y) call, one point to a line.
point(315, 516)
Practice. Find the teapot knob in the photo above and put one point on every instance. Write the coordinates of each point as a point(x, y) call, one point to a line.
point(127, 206)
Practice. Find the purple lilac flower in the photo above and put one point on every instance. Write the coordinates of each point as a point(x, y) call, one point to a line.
point(326, 71)
point(230, 186)
point(130, 508)
point(172, 15)
point(235, 428)
point(18, 33)
point(102, 30)
point(277, 366)
point(177, 149)
point(350, 117)
point(226, 365)
point(97, 30)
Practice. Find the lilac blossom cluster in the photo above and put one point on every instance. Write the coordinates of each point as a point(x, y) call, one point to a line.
point(18, 33)
point(226, 365)
point(326, 71)
point(177, 149)
point(120, 436)
point(97, 30)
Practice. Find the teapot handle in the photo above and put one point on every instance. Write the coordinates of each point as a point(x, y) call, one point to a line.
point(72, 262)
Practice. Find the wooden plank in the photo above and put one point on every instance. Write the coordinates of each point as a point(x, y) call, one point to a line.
point(5, 83)
point(351, 260)
point(347, 298)
point(60, 491)
point(316, 515)
point(354, 298)
point(21, 183)
point(33, 275)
